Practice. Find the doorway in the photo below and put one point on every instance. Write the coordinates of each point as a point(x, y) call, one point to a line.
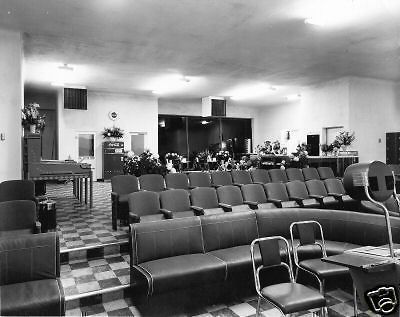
point(313, 144)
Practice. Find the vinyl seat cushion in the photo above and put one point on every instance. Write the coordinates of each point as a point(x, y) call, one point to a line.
point(293, 297)
point(322, 268)
point(32, 298)
point(184, 271)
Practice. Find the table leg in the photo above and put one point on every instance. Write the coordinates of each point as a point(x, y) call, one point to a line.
point(86, 190)
point(80, 189)
point(91, 189)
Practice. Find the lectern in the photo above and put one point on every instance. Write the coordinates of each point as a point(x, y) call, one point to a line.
point(375, 270)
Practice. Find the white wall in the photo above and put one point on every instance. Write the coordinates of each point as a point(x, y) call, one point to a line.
point(374, 110)
point(11, 101)
point(136, 114)
point(321, 106)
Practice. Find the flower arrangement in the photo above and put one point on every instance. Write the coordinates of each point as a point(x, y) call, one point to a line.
point(31, 116)
point(145, 163)
point(174, 157)
point(222, 156)
point(265, 148)
point(203, 156)
point(345, 138)
point(300, 157)
point(113, 132)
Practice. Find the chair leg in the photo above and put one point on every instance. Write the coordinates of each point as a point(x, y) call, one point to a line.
point(355, 301)
point(258, 306)
point(296, 274)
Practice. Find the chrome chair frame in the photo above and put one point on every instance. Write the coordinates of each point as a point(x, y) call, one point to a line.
point(296, 256)
point(256, 272)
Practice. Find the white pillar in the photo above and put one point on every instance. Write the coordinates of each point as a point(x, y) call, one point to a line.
point(11, 101)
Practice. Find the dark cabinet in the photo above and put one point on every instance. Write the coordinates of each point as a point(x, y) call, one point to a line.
point(113, 157)
point(393, 148)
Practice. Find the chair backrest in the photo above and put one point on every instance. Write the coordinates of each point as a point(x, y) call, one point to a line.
point(294, 174)
point(17, 190)
point(175, 200)
point(276, 191)
point(144, 203)
point(241, 177)
point(325, 172)
point(27, 258)
point(229, 229)
point(152, 182)
point(334, 185)
point(176, 181)
point(17, 215)
point(221, 178)
point(316, 187)
point(230, 195)
point(199, 179)
point(305, 231)
point(270, 250)
point(254, 192)
point(297, 189)
point(160, 239)
point(310, 173)
point(260, 175)
point(204, 197)
point(124, 184)
point(278, 176)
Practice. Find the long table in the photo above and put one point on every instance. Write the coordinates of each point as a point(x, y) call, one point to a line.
point(80, 173)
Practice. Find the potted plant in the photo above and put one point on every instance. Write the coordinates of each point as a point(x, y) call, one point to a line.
point(32, 119)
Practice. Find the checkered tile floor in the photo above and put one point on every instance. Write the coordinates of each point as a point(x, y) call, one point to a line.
point(80, 226)
point(340, 305)
point(78, 277)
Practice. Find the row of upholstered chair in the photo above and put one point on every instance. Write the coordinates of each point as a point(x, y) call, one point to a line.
point(177, 203)
point(122, 185)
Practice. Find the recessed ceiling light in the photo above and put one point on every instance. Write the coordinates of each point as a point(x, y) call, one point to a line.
point(314, 21)
point(293, 97)
point(8, 12)
point(57, 84)
point(66, 67)
point(205, 122)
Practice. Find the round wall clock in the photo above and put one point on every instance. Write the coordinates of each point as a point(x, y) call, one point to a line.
point(113, 115)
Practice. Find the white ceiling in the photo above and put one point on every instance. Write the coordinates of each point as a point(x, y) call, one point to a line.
point(221, 46)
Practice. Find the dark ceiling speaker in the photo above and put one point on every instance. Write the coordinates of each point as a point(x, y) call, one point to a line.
point(377, 176)
point(75, 98)
point(213, 106)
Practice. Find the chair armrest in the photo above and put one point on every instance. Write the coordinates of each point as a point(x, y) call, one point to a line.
point(134, 218)
point(298, 200)
point(198, 211)
point(319, 198)
point(114, 196)
point(191, 187)
point(252, 204)
point(38, 227)
point(336, 195)
point(237, 184)
point(216, 186)
point(277, 202)
point(259, 183)
point(225, 207)
point(167, 213)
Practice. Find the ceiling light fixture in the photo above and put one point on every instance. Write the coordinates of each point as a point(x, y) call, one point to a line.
point(205, 122)
point(57, 84)
point(66, 67)
point(293, 97)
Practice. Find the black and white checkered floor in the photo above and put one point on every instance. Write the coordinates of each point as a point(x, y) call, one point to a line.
point(78, 226)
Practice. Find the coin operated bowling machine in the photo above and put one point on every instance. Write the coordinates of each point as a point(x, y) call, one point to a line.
point(376, 276)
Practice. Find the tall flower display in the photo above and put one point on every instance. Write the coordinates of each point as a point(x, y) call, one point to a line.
point(31, 117)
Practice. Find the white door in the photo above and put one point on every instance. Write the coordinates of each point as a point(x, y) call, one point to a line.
point(86, 149)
